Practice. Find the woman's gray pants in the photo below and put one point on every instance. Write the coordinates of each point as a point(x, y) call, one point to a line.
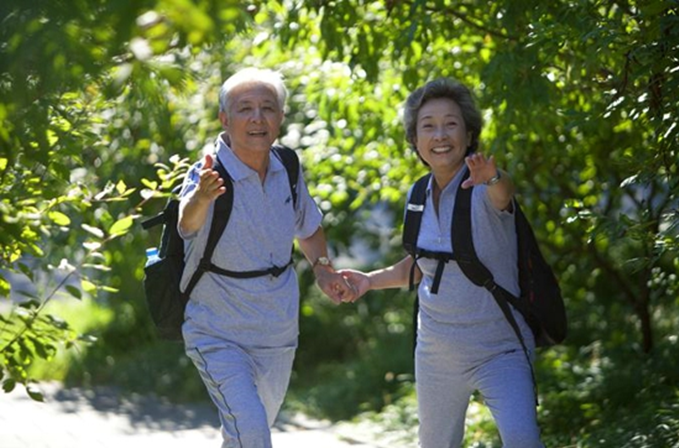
point(444, 389)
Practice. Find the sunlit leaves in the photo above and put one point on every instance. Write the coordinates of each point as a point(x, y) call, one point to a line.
point(93, 230)
point(5, 287)
point(59, 218)
point(150, 184)
point(88, 286)
point(121, 226)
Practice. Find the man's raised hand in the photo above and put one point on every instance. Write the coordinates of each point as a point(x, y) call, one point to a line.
point(210, 185)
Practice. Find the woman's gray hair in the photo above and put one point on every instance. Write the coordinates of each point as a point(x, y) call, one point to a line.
point(443, 88)
point(253, 75)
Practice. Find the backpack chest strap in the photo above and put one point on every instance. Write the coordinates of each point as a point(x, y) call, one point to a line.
point(274, 270)
point(442, 257)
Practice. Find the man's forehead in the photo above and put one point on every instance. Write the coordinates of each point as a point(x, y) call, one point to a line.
point(254, 92)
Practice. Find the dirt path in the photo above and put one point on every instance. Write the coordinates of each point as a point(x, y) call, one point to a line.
point(99, 418)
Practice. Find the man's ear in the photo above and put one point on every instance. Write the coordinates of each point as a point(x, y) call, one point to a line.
point(224, 119)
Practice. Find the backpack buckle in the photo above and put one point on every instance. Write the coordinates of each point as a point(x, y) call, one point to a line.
point(276, 271)
point(490, 285)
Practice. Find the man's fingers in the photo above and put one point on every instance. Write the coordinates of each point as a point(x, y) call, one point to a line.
point(209, 162)
point(211, 183)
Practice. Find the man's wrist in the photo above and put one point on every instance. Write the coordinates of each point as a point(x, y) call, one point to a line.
point(324, 263)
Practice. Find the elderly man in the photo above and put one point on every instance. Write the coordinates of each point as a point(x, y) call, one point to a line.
point(241, 333)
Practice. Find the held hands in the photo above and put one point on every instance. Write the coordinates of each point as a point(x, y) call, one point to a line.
point(481, 170)
point(210, 185)
point(359, 281)
point(334, 285)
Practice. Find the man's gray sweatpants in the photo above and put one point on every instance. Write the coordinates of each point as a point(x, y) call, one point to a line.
point(247, 386)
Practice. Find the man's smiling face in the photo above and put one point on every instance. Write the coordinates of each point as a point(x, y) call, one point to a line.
point(253, 119)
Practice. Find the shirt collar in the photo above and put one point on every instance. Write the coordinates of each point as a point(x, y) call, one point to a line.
point(235, 167)
point(452, 186)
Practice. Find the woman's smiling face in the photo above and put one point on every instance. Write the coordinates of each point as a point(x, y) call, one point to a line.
point(442, 138)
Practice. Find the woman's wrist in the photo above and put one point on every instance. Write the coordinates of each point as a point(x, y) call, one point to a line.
point(495, 179)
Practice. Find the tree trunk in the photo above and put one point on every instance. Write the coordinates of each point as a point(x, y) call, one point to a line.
point(642, 311)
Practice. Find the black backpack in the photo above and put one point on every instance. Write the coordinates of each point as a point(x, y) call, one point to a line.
point(540, 302)
point(165, 300)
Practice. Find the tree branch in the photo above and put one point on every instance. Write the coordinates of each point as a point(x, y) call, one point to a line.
point(475, 23)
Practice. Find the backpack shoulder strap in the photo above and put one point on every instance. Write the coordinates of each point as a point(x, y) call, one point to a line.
point(291, 164)
point(220, 218)
point(413, 214)
point(412, 222)
point(461, 237)
point(411, 230)
point(473, 268)
point(222, 212)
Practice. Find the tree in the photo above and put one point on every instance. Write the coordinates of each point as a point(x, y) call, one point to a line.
point(86, 109)
point(95, 98)
point(580, 106)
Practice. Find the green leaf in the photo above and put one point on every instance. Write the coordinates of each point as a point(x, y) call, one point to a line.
point(9, 384)
point(129, 191)
point(29, 304)
point(35, 394)
point(75, 292)
point(121, 187)
point(91, 245)
point(28, 272)
point(43, 350)
point(59, 218)
point(88, 286)
point(99, 267)
point(121, 226)
point(88, 338)
point(5, 287)
point(93, 230)
point(28, 294)
point(150, 184)
point(57, 322)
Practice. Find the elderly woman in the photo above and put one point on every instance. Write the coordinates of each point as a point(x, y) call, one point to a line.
point(464, 342)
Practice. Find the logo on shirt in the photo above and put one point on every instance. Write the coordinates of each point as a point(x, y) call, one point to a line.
point(287, 201)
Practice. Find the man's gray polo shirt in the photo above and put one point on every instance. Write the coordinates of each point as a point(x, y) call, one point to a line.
point(261, 312)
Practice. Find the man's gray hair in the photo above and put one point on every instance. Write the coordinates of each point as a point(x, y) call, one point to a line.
point(253, 75)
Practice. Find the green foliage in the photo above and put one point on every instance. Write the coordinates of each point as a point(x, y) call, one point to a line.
point(587, 389)
point(86, 93)
point(370, 349)
point(580, 106)
point(84, 316)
